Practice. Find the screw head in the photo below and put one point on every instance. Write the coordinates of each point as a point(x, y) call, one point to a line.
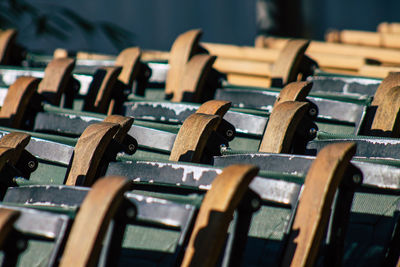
point(31, 164)
point(312, 112)
point(131, 147)
point(357, 178)
point(229, 133)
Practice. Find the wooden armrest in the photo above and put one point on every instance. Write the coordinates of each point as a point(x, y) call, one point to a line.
point(193, 136)
point(17, 100)
point(314, 208)
point(215, 107)
point(295, 91)
point(195, 74)
point(89, 228)
point(215, 214)
point(89, 151)
point(7, 40)
point(7, 219)
point(286, 68)
point(184, 47)
point(15, 140)
point(56, 77)
point(100, 92)
point(129, 60)
point(125, 124)
point(392, 80)
point(282, 125)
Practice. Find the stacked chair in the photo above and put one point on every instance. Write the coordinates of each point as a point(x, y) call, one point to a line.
point(208, 155)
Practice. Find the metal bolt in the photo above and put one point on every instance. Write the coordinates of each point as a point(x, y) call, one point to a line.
point(357, 178)
point(131, 147)
point(229, 133)
point(31, 164)
point(130, 213)
point(313, 132)
point(312, 112)
point(255, 204)
point(20, 244)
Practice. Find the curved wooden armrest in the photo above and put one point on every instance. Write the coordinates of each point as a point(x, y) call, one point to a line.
point(7, 39)
point(193, 136)
point(286, 67)
point(215, 107)
point(194, 78)
point(282, 125)
point(295, 91)
point(392, 80)
point(17, 100)
point(387, 120)
point(56, 77)
point(215, 214)
point(89, 228)
point(15, 140)
point(184, 47)
point(89, 151)
point(129, 60)
point(7, 219)
point(60, 53)
point(100, 92)
point(125, 124)
point(314, 208)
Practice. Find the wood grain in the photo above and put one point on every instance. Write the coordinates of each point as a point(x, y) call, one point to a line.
point(281, 127)
point(392, 80)
point(88, 152)
point(7, 219)
point(193, 81)
point(184, 47)
point(17, 100)
point(193, 136)
point(287, 65)
point(56, 77)
point(7, 40)
point(90, 225)
point(16, 140)
point(215, 214)
point(129, 60)
point(215, 107)
point(295, 91)
point(125, 124)
point(314, 207)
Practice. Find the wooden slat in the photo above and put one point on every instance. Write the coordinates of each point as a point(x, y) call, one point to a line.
point(7, 219)
point(193, 136)
point(88, 152)
point(389, 27)
point(56, 77)
point(390, 81)
point(194, 78)
point(216, 211)
point(314, 207)
point(89, 228)
point(281, 127)
point(129, 60)
point(248, 80)
point(377, 71)
point(17, 100)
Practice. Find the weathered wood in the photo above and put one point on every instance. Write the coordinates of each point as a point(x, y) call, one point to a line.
point(286, 68)
point(89, 228)
point(193, 136)
point(125, 124)
point(7, 39)
point(7, 219)
point(387, 117)
point(194, 78)
point(295, 91)
point(129, 60)
point(184, 47)
point(56, 77)
point(392, 80)
point(282, 125)
point(88, 152)
point(17, 100)
point(16, 140)
point(314, 208)
point(99, 96)
point(216, 211)
point(215, 107)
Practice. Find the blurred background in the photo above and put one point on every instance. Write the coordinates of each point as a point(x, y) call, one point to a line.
point(109, 26)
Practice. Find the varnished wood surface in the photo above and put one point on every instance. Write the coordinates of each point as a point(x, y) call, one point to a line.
point(215, 107)
point(281, 127)
point(129, 60)
point(314, 208)
point(295, 91)
point(216, 211)
point(193, 136)
point(90, 225)
point(392, 80)
point(16, 140)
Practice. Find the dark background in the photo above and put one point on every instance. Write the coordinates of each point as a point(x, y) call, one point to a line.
point(108, 26)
